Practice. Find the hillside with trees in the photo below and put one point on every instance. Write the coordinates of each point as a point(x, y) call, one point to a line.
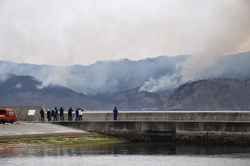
point(211, 94)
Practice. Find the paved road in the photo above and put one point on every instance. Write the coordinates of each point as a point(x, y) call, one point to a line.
point(30, 130)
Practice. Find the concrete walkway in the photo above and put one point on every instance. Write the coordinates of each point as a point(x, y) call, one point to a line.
point(36, 130)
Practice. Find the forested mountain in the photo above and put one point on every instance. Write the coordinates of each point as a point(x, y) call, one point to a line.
point(211, 94)
point(101, 77)
point(131, 84)
point(27, 90)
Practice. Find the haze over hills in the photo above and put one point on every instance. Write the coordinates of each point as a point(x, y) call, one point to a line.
point(104, 77)
point(156, 74)
point(216, 94)
point(26, 90)
point(126, 84)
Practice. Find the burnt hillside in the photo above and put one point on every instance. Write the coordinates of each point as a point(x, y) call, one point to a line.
point(27, 90)
point(211, 94)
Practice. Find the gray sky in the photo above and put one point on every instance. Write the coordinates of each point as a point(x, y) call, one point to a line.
point(68, 32)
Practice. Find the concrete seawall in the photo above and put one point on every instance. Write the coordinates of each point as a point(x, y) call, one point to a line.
point(221, 127)
point(22, 112)
point(214, 132)
point(171, 116)
point(231, 127)
point(224, 116)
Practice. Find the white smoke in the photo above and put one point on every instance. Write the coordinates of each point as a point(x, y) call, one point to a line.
point(19, 85)
point(167, 82)
point(109, 76)
point(68, 32)
point(227, 33)
point(56, 76)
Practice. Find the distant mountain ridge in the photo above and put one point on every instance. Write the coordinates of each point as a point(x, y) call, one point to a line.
point(116, 76)
point(25, 90)
point(30, 85)
point(211, 94)
point(103, 77)
point(105, 84)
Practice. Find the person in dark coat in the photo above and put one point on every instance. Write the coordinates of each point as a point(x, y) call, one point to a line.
point(42, 115)
point(61, 114)
point(52, 114)
point(48, 115)
point(115, 111)
point(77, 114)
point(56, 112)
point(70, 114)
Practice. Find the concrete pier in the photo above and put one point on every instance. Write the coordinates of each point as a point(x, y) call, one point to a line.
point(213, 127)
point(215, 116)
point(36, 130)
point(231, 127)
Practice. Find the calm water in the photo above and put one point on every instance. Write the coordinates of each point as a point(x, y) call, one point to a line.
point(141, 154)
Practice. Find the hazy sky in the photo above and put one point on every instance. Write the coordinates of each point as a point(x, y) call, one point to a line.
point(68, 32)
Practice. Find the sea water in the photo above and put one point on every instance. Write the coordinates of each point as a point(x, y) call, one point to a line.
point(141, 154)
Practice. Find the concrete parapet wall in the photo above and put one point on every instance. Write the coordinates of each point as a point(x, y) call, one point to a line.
point(215, 127)
point(143, 130)
point(225, 116)
point(170, 116)
point(22, 112)
point(142, 126)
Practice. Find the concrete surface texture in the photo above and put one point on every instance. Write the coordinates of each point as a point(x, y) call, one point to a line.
point(29, 130)
point(170, 116)
point(22, 112)
point(22, 115)
point(142, 126)
point(140, 130)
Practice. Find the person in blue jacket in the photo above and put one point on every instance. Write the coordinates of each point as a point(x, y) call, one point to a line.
point(42, 115)
point(115, 111)
point(77, 114)
point(61, 114)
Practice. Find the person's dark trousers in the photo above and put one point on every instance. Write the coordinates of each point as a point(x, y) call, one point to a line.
point(70, 118)
point(61, 117)
point(42, 118)
point(115, 116)
point(55, 117)
point(80, 117)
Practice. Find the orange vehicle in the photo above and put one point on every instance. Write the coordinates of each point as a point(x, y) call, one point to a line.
point(7, 115)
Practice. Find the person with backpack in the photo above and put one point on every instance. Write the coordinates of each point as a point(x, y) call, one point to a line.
point(70, 114)
point(61, 114)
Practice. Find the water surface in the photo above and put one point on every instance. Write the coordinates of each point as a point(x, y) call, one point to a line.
point(132, 154)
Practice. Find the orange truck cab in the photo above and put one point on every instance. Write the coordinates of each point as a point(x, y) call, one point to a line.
point(7, 115)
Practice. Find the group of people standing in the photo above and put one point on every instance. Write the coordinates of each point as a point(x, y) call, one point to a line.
point(52, 115)
point(78, 114)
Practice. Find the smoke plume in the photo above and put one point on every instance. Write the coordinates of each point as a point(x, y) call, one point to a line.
point(231, 29)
